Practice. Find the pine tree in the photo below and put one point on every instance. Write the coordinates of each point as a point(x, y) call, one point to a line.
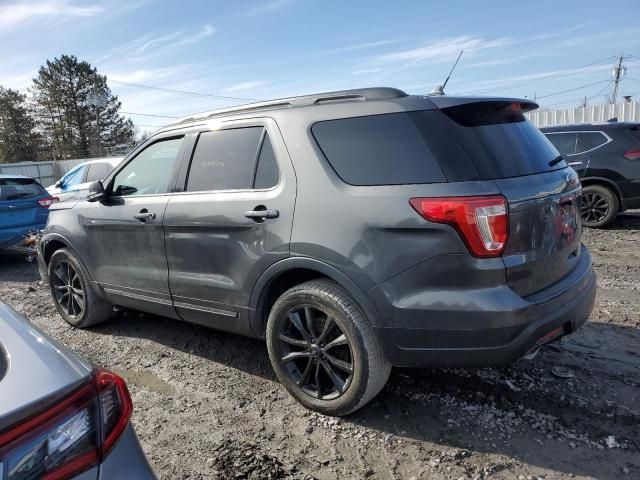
point(77, 110)
point(19, 141)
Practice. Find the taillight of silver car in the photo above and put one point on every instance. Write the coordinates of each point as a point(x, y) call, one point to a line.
point(482, 222)
point(72, 435)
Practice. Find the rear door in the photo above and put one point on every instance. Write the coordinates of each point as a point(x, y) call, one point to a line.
point(232, 221)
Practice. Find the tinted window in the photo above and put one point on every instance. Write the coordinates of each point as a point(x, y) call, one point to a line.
point(591, 140)
point(267, 174)
point(74, 177)
point(565, 143)
point(496, 138)
point(377, 150)
point(97, 171)
point(17, 188)
point(150, 172)
point(224, 160)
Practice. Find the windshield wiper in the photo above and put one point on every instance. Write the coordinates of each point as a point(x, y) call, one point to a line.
point(556, 160)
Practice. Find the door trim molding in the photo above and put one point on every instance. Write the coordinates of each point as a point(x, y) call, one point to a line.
point(200, 308)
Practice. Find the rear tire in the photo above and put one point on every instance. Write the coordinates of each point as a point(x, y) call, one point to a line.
point(600, 206)
point(323, 349)
point(72, 293)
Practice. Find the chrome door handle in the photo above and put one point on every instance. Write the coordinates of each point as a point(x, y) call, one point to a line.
point(144, 217)
point(262, 214)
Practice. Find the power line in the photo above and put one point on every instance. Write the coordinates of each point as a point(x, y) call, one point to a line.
point(544, 78)
point(183, 92)
point(574, 89)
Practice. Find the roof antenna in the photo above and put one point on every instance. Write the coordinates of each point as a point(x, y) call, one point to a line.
point(439, 90)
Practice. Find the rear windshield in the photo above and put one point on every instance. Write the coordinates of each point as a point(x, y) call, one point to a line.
point(481, 141)
point(18, 188)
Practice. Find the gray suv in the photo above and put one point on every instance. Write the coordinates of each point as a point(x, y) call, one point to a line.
point(352, 230)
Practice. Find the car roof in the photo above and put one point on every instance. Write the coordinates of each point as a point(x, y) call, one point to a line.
point(7, 176)
point(344, 97)
point(115, 161)
point(589, 126)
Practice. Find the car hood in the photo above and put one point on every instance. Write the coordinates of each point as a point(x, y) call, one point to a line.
point(34, 369)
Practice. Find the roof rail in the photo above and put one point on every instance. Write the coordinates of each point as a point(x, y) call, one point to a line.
point(361, 94)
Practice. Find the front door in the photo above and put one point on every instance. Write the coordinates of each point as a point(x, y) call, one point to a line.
point(124, 233)
point(231, 223)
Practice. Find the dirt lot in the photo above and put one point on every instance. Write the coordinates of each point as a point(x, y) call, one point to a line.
point(207, 404)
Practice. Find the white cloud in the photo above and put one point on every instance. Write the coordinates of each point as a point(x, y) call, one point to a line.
point(14, 14)
point(239, 87)
point(366, 71)
point(150, 42)
point(269, 6)
point(142, 75)
point(444, 49)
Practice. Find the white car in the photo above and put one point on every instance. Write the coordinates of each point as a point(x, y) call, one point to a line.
point(81, 176)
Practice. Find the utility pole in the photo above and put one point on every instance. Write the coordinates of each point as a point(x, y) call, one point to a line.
point(618, 71)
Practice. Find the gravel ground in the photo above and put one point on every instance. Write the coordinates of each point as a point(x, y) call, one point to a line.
point(207, 404)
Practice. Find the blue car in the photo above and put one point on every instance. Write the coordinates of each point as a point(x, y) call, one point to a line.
point(24, 207)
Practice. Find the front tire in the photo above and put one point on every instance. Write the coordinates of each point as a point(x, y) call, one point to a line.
point(323, 349)
point(72, 294)
point(600, 206)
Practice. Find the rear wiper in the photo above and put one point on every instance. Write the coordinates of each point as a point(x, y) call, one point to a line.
point(556, 160)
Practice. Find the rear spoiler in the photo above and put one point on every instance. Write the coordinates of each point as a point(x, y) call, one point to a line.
point(447, 102)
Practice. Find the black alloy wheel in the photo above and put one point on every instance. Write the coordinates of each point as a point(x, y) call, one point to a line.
point(595, 207)
point(67, 289)
point(316, 353)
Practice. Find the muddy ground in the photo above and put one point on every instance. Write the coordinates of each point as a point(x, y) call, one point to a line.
point(207, 404)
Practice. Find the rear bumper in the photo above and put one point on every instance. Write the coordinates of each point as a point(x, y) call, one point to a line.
point(485, 327)
point(9, 237)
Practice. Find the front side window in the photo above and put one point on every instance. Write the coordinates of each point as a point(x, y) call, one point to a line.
point(224, 160)
point(98, 171)
point(150, 172)
point(565, 143)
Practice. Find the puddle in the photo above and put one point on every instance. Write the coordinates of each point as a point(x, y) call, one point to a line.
point(146, 379)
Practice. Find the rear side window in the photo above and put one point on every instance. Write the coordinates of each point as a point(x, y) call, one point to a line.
point(565, 143)
point(97, 171)
point(592, 140)
point(378, 150)
point(19, 188)
point(267, 174)
point(224, 160)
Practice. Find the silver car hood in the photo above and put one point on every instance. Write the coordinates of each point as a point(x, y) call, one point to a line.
point(34, 369)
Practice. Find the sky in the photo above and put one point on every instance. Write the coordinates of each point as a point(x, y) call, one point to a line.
point(557, 52)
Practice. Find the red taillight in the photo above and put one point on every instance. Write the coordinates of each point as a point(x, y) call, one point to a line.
point(633, 154)
point(47, 202)
point(482, 222)
point(72, 435)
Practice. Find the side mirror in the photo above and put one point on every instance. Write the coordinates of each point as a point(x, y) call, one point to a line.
point(96, 192)
point(58, 184)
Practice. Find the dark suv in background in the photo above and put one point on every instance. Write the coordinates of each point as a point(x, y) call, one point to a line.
point(352, 230)
point(607, 158)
